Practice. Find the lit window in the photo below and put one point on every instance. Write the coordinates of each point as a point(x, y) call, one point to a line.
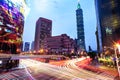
point(80, 40)
point(108, 30)
point(6, 30)
point(1, 23)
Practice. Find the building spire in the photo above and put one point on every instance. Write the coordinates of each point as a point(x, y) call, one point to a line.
point(78, 6)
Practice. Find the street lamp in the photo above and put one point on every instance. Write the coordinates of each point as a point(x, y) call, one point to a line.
point(117, 47)
point(41, 50)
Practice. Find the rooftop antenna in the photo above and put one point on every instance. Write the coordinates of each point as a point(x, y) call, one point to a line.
point(79, 6)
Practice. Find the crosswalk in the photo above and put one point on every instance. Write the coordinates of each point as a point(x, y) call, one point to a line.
point(16, 75)
point(42, 71)
point(23, 75)
point(105, 74)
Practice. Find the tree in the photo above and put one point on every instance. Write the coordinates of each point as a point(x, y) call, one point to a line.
point(90, 49)
point(92, 54)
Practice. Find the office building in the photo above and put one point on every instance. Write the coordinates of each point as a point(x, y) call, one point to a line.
point(97, 39)
point(11, 29)
point(32, 46)
point(43, 30)
point(59, 44)
point(21, 46)
point(27, 46)
point(80, 28)
point(108, 22)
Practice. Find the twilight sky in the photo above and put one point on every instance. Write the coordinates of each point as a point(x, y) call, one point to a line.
point(63, 16)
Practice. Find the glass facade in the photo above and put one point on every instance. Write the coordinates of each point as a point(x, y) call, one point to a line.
point(27, 46)
point(80, 28)
point(108, 22)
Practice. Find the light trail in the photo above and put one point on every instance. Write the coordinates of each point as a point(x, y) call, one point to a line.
point(87, 74)
point(67, 72)
point(16, 75)
point(48, 69)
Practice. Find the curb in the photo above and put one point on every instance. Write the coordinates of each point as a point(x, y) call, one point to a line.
point(85, 64)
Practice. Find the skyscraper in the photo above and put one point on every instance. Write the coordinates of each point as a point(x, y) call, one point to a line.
point(22, 46)
point(43, 30)
point(97, 39)
point(12, 14)
point(27, 46)
point(80, 28)
point(11, 25)
point(108, 22)
point(32, 46)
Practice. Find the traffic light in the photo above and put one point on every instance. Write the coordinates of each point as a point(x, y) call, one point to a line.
point(118, 42)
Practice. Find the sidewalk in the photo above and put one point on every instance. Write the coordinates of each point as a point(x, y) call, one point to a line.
point(107, 69)
point(98, 68)
point(20, 67)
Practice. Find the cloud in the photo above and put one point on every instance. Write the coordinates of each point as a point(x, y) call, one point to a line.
point(41, 5)
point(44, 6)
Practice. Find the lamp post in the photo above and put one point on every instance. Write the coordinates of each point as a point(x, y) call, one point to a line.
point(117, 59)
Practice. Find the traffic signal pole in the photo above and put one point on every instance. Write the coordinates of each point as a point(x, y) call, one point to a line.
point(117, 61)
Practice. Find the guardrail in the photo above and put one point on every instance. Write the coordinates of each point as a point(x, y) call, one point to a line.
point(19, 56)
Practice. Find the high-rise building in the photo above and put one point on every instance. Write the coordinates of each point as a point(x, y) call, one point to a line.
point(97, 39)
point(22, 46)
point(43, 30)
point(11, 28)
point(11, 25)
point(27, 46)
point(108, 22)
point(80, 28)
point(32, 46)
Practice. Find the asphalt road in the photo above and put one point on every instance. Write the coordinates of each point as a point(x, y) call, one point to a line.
point(62, 70)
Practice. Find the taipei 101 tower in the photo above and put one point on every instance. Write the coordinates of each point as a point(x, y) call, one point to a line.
point(80, 28)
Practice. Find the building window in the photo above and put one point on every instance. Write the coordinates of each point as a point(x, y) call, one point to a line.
point(108, 30)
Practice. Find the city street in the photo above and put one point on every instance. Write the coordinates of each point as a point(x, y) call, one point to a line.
point(50, 40)
point(65, 70)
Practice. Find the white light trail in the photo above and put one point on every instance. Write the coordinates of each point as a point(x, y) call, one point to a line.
point(69, 71)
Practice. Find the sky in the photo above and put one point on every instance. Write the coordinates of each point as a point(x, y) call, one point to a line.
point(63, 16)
